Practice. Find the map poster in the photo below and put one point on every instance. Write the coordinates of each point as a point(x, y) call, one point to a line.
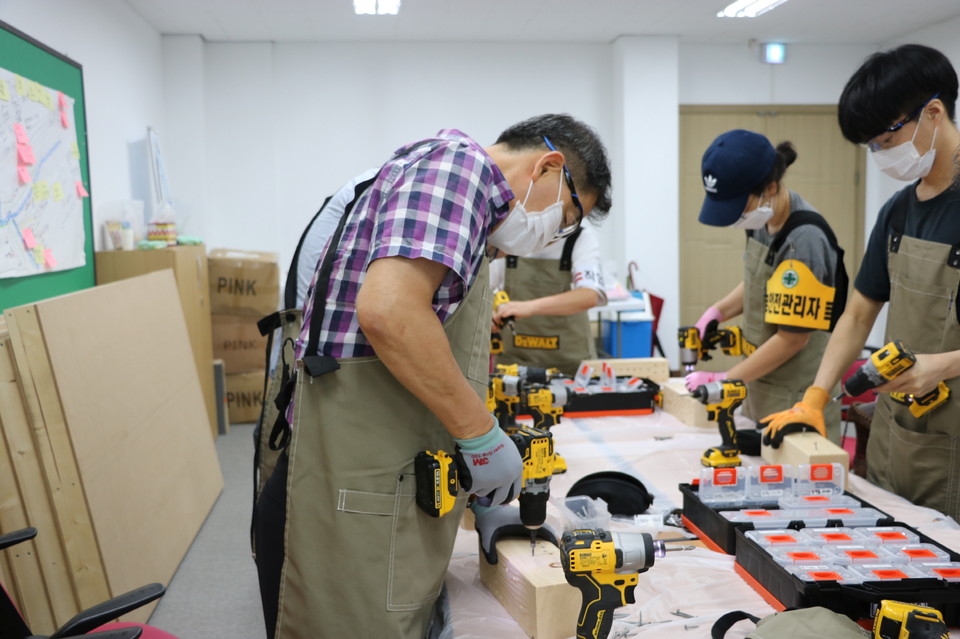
point(41, 190)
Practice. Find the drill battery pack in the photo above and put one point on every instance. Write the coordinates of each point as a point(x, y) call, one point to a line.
point(436, 475)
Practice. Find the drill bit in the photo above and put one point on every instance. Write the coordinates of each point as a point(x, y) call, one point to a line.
point(533, 542)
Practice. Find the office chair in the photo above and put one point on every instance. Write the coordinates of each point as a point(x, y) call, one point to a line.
point(92, 623)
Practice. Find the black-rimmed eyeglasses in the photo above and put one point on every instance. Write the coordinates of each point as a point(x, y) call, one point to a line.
point(875, 146)
point(569, 179)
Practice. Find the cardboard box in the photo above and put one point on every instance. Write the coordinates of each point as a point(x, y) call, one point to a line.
point(243, 282)
point(238, 342)
point(244, 396)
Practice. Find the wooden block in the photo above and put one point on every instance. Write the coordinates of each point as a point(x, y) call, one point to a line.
point(806, 448)
point(535, 593)
point(656, 369)
point(678, 402)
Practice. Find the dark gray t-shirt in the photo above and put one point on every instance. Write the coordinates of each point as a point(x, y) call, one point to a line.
point(934, 220)
point(807, 244)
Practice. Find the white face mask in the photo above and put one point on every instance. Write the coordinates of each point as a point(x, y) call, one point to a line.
point(752, 220)
point(904, 162)
point(524, 232)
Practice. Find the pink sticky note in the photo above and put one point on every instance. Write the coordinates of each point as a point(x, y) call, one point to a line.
point(20, 133)
point(28, 240)
point(81, 192)
point(48, 258)
point(24, 175)
point(64, 120)
point(25, 154)
point(61, 100)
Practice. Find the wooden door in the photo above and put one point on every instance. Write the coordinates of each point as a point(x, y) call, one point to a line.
point(827, 174)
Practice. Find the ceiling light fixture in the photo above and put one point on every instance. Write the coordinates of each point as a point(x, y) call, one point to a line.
point(749, 8)
point(376, 7)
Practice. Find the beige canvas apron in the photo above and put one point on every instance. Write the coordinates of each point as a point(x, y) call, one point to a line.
point(362, 560)
point(919, 458)
point(547, 341)
point(782, 388)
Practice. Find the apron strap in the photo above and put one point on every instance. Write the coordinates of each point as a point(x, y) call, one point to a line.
point(897, 222)
point(290, 288)
point(512, 261)
point(566, 259)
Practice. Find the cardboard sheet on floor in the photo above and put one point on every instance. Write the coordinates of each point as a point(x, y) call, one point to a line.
point(109, 376)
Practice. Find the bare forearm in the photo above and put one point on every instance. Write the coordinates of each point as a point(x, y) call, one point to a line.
point(847, 340)
point(396, 315)
point(732, 304)
point(569, 302)
point(770, 356)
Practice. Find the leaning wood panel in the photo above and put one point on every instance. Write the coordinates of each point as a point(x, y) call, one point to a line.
point(45, 587)
point(131, 399)
point(60, 468)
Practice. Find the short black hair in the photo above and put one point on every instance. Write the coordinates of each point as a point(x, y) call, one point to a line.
point(891, 84)
point(583, 152)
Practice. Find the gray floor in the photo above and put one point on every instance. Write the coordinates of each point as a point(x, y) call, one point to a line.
point(214, 593)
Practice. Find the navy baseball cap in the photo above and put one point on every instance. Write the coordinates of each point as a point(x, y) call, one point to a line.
point(733, 166)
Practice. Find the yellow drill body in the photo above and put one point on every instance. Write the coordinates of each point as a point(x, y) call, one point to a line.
point(721, 399)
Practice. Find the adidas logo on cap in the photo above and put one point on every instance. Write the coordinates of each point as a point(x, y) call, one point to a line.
point(710, 183)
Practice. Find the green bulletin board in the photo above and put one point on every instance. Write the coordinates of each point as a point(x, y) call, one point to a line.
point(24, 56)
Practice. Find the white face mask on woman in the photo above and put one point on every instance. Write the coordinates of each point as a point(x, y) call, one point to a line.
point(904, 162)
point(752, 220)
point(523, 232)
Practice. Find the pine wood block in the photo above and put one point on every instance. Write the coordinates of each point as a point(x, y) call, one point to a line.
point(678, 402)
point(656, 369)
point(806, 448)
point(533, 591)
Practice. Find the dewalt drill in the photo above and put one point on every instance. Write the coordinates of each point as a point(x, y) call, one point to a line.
point(695, 347)
point(688, 338)
point(722, 398)
point(536, 451)
point(505, 390)
point(604, 566)
point(496, 340)
point(899, 620)
point(886, 364)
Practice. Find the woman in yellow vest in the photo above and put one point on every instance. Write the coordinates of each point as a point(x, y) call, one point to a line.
point(792, 265)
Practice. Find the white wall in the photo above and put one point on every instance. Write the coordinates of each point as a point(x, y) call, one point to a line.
point(123, 85)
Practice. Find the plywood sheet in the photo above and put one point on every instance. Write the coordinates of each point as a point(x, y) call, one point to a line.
point(132, 404)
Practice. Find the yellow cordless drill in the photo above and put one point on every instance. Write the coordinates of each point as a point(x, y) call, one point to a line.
point(688, 338)
point(505, 390)
point(604, 566)
point(722, 398)
point(899, 620)
point(496, 340)
point(886, 364)
point(536, 451)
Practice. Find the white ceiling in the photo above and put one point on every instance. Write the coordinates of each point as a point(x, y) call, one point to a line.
point(598, 21)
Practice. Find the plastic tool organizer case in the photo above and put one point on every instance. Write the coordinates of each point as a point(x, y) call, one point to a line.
point(640, 399)
point(784, 589)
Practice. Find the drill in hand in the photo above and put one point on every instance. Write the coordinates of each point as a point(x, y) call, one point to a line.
point(722, 398)
point(536, 451)
point(886, 364)
point(695, 347)
point(690, 347)
point(496, 340)
point(604, 566)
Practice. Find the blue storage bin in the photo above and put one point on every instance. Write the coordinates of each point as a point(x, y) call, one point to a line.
point(636, 330)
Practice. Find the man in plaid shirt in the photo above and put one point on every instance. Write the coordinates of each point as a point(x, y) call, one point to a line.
point(396, 363)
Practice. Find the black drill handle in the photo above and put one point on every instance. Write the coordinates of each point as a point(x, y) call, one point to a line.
point(598, 603)
point(726, 424)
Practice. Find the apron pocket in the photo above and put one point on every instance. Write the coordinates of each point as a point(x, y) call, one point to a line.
point(920, 466)
point(407, 547)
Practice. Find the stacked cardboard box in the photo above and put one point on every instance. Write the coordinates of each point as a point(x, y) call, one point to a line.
point(244, 287)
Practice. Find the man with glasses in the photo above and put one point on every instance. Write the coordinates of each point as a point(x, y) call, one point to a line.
point(550, 291)
point(900, 104)
point(392, 360)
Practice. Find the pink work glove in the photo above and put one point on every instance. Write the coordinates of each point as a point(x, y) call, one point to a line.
point(709, 315)
point(699, 378)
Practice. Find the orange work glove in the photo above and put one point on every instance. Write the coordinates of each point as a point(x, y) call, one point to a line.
point(806, 415)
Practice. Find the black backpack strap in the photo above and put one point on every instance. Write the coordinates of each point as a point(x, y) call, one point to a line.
point(566, 259)
point(841, 280)
point(725, 622)
point(290, 288)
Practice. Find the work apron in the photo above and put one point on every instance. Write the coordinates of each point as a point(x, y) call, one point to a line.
point(919, 458)
point(781, 388)
point(361, 559)
point(546, 341)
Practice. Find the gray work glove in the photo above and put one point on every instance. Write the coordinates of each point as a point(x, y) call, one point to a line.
point(490, 467)
point(494, 523)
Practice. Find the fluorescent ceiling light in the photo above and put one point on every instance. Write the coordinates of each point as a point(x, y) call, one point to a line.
point(749, 8)
point(376, 7)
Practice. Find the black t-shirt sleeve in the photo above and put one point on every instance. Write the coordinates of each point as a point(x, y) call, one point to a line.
point(873, 279)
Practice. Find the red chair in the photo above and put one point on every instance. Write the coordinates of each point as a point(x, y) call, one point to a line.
point(94, 622)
